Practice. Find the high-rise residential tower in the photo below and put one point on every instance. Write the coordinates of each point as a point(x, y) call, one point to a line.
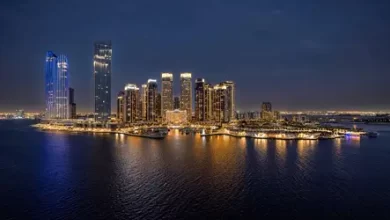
point(166, 93)
point(131, 102)
point(200, 104)
point(219, 103)
point(120, 106)
point(151, 98)
point(57, 86)
point(102, 74)
point(209, 97)
point(158, 107)
point(186, 94)
point(144, 97)
point(231, 100)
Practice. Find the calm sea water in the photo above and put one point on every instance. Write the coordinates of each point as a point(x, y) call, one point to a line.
point(85, 176)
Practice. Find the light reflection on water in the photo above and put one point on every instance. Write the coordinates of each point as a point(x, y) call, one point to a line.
point(188, 176)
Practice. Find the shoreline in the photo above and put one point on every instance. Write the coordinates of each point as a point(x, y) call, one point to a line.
point(160, 136)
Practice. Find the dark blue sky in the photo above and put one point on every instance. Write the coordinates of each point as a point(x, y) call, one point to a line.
point(297, 54)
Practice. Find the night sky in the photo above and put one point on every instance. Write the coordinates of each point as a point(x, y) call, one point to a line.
point(299, 55)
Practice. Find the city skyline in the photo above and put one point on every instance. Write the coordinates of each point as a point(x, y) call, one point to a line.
point(304, 56)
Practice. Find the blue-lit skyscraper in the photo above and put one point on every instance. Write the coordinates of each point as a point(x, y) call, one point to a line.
point(50, 72)
point(57, 86)
point(102, 74)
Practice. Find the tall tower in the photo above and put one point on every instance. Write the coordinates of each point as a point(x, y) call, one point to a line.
point(57, 86)
point(209, 97)
point(186, 94)
point(224, 102)
point(131, 103)
point(219, 103)
point(144, 97)
point(200, 111)
point(50, 73)
point(166, 93)
point(120, 106)
point(158, 107)
point(151, 98)
point(62, 88)
point(102, 73)
point(231, 100)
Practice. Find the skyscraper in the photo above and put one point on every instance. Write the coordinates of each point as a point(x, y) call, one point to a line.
point(120, 106)
point(176, 102)
point(186, 94)
point(102, 73)
point(131, 103)
point(220, 103)
point(62, 88)
point(158, 107)
point(151, 98)
point(57, 86)
point(224, 102)
point(166, 93)
point(144, 98)
point(72, 104)
point(50, 73)
point(231, 100)
point(209, 97)
point(200, 104)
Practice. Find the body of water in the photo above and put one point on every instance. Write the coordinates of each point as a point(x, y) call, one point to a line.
point(58, 175)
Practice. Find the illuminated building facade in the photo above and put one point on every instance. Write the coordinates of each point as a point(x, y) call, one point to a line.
point(120, 106)
point(186, 94)
point(176, 102)
point(224, 102)
point(209, 97)
point(220, 103)
point(208, 101)
point(102, 75)
point(166, 93)
point(144, 97)
point(266, 111)
point(230, 100)
point(200, 101)
point(57, 86)
point(176, 117)
point(62, 88)
point(50, 75)
point(151, 98)
point(131, 102)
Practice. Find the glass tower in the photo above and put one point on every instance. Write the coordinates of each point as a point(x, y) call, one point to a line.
point(62, 88)
point(57, 86)
point(151, 99)
point(50, 72)
point(102, 74)
point(166, 93)
point(186, 94)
